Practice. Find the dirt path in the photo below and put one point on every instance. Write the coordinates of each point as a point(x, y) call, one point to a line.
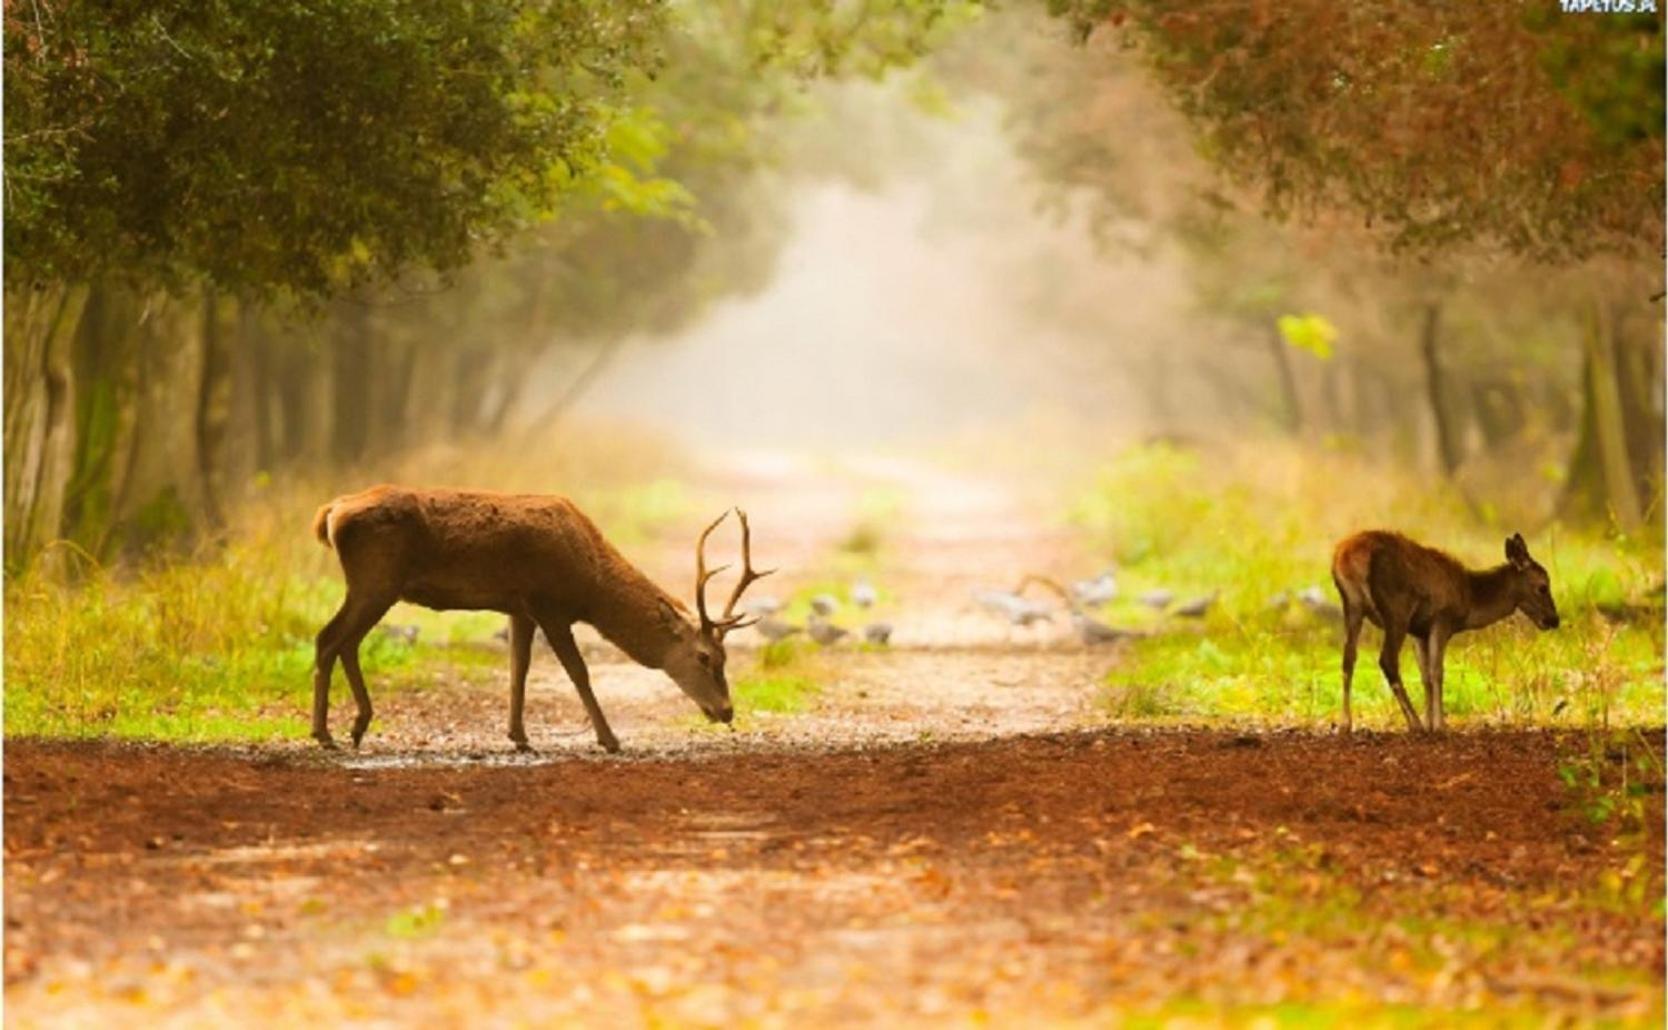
point(951, 671)
point(949, 834)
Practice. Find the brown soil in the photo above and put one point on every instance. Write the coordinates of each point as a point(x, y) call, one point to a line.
point(950, 833)
point(1057, 875)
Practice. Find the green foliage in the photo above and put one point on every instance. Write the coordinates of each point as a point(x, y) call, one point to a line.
point(783, 679)
point(1523, 129)
point(272, 147)
point(1311, 332)
point(781, 693)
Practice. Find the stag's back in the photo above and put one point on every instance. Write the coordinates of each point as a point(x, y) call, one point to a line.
point(468, 549)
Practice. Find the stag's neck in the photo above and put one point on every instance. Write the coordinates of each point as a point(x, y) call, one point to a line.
point(1491, 596)
point(638, 617)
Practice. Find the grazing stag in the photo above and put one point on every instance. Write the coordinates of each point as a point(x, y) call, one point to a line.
point(1407, 589)
point(537, 559)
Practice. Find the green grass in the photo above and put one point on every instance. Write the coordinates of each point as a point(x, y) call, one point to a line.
point(1252, 525)
point(784, 679)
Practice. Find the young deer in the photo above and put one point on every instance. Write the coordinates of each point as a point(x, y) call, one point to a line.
point(537, 559)
point(1407, 589)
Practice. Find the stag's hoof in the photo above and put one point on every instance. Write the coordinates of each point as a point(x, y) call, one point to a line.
point(326, 741)
point(523, 748)
point(609, 744)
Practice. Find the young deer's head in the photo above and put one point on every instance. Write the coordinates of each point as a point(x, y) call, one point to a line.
point(1531, 586)
point(696, 662)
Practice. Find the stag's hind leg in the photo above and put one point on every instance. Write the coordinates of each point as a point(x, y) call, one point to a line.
point(340, 639)
point(324, 663)
point(521, 657)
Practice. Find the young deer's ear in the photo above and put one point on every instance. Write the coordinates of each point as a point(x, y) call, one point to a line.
point(1517, 552)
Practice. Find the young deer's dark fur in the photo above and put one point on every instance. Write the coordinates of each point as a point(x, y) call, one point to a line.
point(1409, 590)
point(537, 559)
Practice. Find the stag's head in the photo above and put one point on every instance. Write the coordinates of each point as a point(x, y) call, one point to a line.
point(1532, 587)
point(697, 665)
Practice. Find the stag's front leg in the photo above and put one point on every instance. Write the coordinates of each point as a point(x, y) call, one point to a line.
point(567, 651)
point(521, 656)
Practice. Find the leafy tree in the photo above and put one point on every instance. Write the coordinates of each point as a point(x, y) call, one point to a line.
point(1510, 126)
point(267, 146)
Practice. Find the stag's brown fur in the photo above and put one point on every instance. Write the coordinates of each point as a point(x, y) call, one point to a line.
point(1407, 589)
point(538, 559)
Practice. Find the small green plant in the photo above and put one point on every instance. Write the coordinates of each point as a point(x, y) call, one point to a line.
point(784, 679)
point(863, 539)
point(415, 923)
point(781, 693)
point(1612, 778)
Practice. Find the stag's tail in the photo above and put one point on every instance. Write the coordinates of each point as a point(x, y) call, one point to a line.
point(321, 524)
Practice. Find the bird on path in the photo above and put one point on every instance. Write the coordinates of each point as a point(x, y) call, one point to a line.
point(1098, 590)
point(408, 634)
point(1159, 599)
point(1196, 608)
point(775, 629)
point(824, 632)
point(1021, 611)
point(1315, 599)
point(878, 633)
point(824, 604)
point(764, 605)
point(863, 594)
point(1093, 631)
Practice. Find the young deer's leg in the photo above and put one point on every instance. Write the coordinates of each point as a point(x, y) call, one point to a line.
point(1353, 616)
point(521, 656)
point(362, 618)
point(324, 662)
point(1439, 652)
point(561, 641)
point(1422, 648)
point(1390, 660)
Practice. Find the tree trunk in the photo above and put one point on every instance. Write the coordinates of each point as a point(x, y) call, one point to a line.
point(107, 407)
point(1291, 405)
point(350, 368)
point(1601, 476)
point(1447, 442)
point(39, 459)
point(210, 421)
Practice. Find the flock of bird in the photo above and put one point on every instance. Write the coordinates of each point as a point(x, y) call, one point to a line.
point(817, 625)
point(1012, 606)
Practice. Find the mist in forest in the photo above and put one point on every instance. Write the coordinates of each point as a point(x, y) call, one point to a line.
point(937, 302)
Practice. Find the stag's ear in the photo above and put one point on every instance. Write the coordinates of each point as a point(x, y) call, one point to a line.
point(1517, 552)
point(670, 617)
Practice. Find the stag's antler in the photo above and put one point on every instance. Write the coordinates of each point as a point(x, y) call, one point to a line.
point(716, 628)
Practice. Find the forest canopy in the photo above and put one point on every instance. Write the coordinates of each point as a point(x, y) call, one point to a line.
point(1511, 126)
